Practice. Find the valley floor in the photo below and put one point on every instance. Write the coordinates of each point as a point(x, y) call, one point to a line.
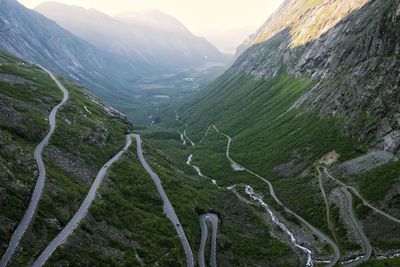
point(344, 236)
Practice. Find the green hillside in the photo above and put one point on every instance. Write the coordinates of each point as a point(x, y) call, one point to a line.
point(126, 224)
point(290, 109)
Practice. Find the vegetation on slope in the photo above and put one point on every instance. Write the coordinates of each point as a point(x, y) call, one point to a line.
point(126, 224)
point(22, 126)
point(282, 144)
point(268, 135)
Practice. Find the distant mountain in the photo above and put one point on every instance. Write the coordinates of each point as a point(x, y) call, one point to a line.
point(154, 19)
point(228, 40)
point(149, 36)
point(30, 35)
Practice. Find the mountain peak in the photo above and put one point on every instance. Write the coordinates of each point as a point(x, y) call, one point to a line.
point(153, 18)
point(159, 39)
point(62, 9)
point(307, 20)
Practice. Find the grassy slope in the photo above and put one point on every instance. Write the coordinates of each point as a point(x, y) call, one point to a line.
point(126, 224)
point(129, 202)
point(375, 189)
point(266, 133)
point(22, 126)
point(91, 139)
point(244, 237)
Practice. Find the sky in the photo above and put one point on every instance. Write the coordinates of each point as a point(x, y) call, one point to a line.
point(200, 16)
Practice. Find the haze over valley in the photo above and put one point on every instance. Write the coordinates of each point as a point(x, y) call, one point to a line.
point(175, 133)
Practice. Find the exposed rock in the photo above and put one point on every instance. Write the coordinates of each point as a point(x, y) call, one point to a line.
point(391, 142)
point(329, 158)
point(364, 163)
point(353, 58)
point(73, 165)
point(96, 137)
point(21, 107)
point(340, 201)
point(295, 166)
point(286, 169)
point(2, 196)
point(13, 79)
point(112, 112)
point(54, 222)
point(8, 116)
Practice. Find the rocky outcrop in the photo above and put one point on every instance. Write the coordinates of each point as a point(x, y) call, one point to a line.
point(350, 48)
point(73, 165)
point(363, 163)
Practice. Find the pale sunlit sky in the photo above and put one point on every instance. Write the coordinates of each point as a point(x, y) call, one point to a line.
point(195, 14)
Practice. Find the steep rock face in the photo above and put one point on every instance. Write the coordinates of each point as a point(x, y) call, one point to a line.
point(350, 48)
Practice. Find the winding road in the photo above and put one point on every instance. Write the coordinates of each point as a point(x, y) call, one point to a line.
point(367, 245)
point(182, 138)
point(213, 219)
point(37, 193)
point(205, 134)
point(353, 219)
point(355, 191)
point(322, 236)
point(168, 208)
point(328, 214)
point(235, 166)
point(74, 222)
point(187, 137)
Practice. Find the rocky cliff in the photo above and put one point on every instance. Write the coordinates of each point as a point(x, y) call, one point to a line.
point(350, 48)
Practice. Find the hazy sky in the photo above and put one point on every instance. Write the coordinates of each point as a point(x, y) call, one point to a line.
point(195, 14)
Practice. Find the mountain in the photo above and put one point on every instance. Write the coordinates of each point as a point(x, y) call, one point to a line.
point(228, 40)
point(350, 61)
point(149, 36)
point(353, 59)
point(27, 34)
point(312, 96)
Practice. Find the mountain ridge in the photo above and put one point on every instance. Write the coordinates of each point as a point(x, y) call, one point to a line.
point(35, 38)
point(151, 36)
point(330, 59)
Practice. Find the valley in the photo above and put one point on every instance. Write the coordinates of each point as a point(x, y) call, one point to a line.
point(139, 143)
point(60, 211)
point(149, 96)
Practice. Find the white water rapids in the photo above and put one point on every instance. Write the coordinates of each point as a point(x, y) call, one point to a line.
point(197, 169)
point(250, 192)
